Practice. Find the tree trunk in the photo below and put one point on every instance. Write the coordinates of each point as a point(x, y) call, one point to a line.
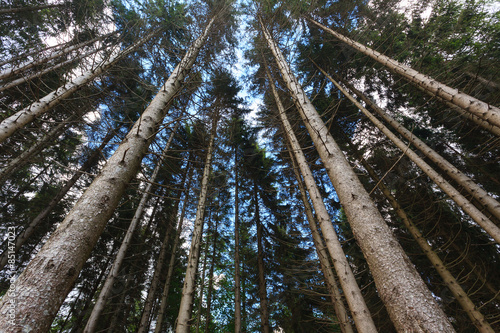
point(120, 256)
point(202, 286)
point(360, 313)
point(410, 304)
point(18, 120)
point(448, 279)
point(29, 8)
point(470, 104)
point(21, 68)
point(264, 311)
point(475, 190)
point(26, 233)
point(454, 194)
point(184, 318)
point(166, 287)
point(237, 287)
point(46, 281)
point(208, 320)
point(19, 161)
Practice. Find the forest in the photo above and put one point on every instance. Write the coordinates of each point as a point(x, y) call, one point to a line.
point(275, 166)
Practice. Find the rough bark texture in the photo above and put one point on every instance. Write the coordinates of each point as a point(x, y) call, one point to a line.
point(448, 279)
point(455, 195)
point(183, 320)
point(120, 256)
point(479, 108)
point(18, 120)
point(42, 287)
point(359, 310)
point(409, 303)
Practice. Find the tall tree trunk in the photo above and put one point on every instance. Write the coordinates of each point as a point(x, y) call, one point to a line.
point(360, 313)
point(29, 77)
point(208, 320)
point(468, 184)
point(470, 104)
point(19, 161)
point(30, 229)
point(202, 285)
point(166, 287)
point(23, 67)
point(460, 200)
point(237, 286)
point(120, 256)
point(46, 281)
point(410, 304)
point(36, 53)
point(185, 308)
point(264, 311)
point(18, 120)
point(448, 279)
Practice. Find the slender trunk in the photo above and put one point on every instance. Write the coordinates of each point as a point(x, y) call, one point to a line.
point(19, 161)
point(489, 83)
point(475, 190)
point(30, 77)
point(188, 290)
point(18, 120)
point(23, 67)
point(26, 233)
point(29, 8)
point(448, 279)
point(455, 195)
point(470, 104)
point(24, 56)
point(237, 287)
point(46, 281)
point(360, 313)
point(208, 320)
point(410, 304)
point(166, 287)
point(264, 311)
point(202, 286)
point(120, 256)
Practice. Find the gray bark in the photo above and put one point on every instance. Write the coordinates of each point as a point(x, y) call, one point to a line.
point(44, 284)
point(120, 256)
point(410, 304)
point(188, 290)
point(470, 104)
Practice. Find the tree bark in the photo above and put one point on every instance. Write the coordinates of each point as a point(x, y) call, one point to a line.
point(120, 256)
point(26, 233)
point(448, 279)
point(18, 120)
point(410, 304)
point(470, 104)
point(237, 286)
point(208, 319)
point(454, 194)
point(360, 313)
point(185, 308)
point(46, 281)
point(23, 67)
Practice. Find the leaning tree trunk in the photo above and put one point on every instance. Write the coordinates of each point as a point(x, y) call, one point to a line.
point(166, 287)
point(44, 284)
point(237, 286)
point(18, 120)
point(409, 302)
point(264, 311)
point(19, 161)
point(324, 258)
point(449, 280)
point(21, 68)
point(481, 219)
point(188, 290)
point(464, 181)
point(26, 233)
point(120, 256)
point(360, 313)
point(470, 104)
